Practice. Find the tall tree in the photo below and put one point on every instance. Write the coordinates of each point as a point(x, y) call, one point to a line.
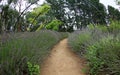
point(8, 17)
point(58, 10)
point(13, 4)
point(114, 14)
point(78, 13)
point(98, 12)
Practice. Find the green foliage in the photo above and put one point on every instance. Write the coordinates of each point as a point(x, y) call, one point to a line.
point(114, 14)
point(40, 27)
point(80, 40)
point(42, 9)
point(11, 18)
point(85, 12)
point(100, 47)
point(37, 17)
point(31, 21)
point(54, 25)
point(98, 11)
point(102, 28)
point(8, 17)
point(94, 62)
point(37, 12)
point(104, 55)
point(33, 69)
point(21, 48)
point(114, 27)
point(84, 37)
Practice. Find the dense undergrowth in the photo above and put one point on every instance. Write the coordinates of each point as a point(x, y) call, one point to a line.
point(100, 46)
point(22, 53)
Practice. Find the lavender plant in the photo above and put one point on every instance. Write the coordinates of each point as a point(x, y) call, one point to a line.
point(25, 47)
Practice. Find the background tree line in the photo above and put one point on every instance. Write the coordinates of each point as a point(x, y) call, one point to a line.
point(60, 15)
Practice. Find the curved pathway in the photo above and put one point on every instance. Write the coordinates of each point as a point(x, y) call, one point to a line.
point(62, 61)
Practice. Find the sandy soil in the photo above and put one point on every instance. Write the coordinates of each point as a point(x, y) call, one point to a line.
point(62, 61)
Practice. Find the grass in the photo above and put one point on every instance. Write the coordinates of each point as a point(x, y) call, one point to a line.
point(21, 48)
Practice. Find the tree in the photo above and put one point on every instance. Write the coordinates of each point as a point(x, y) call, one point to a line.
point(38, 16)
point(8, 17)
point(11, 4)
point(98, 12)
point(57, 9)
point(114, 14)
point(78, 13)
point(54, 25)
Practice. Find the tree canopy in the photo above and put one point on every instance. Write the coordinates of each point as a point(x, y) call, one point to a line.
point(72, 14)
point(78, 13)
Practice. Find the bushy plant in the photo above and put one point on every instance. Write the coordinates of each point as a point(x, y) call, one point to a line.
point(114, 27)
point(80, 40)
point(94, 62)
point(77, 44)
point(104, 56)
point(26, 47)
point(33, 69)
point(100, 48)
point(103, 28)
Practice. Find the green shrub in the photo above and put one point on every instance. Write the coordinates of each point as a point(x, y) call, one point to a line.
point(101, 49)
point(33, 69)
point(104, 56)
point(77, 44)
point(114, 27)
point(80, 40)
point(94, 62)
point(26, 47)
point(102, 28)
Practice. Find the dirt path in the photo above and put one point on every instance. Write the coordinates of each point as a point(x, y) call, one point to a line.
point(62, 61)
